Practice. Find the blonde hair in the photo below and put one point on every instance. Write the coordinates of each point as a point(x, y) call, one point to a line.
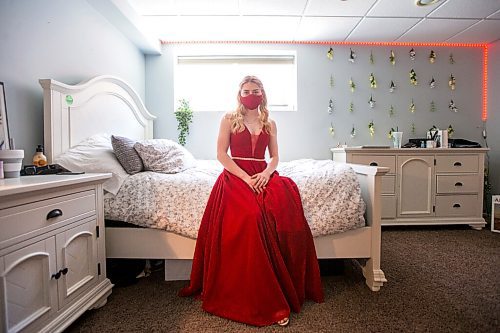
point(237, 115)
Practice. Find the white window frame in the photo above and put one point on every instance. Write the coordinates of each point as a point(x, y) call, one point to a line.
point(207, 94)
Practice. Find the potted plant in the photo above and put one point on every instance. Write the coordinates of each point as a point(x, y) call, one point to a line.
point(184, 116)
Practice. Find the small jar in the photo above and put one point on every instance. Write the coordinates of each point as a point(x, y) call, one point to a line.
point(39, 159)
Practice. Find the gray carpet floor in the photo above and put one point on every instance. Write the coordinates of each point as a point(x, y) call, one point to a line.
point(440, 279)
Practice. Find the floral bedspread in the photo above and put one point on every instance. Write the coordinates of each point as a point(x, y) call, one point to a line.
point(330, 195)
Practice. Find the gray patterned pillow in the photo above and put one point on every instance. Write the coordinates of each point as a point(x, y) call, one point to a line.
point(165, 156)
point(126, 154)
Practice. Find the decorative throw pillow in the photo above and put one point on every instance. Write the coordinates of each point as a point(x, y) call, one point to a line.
point(165, 156)
point(95, 154)
point(126, 154)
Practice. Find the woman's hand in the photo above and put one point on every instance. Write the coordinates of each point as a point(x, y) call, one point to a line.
point(260, 181)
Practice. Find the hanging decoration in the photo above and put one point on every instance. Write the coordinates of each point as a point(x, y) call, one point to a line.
point(371, 128)
point(412, 54)
point(352, 85)
point(412, 106)
point(353, 131)
point(452, 82)
point(352, 55)
point(331, 130)
point(392, 87)
point(372, 59)
point(329, 54)
point(391, 111)
point(432, 83)
point(432, 57)
point(451, 60)
point(389, 135)
point(373, 81)
point(413, 77)
point(330, 106)
point(450, 131)
point(413, 128)
point(332, 82)
point(392, 58)
point(452, 106)
point(371, 101)
point(433, 107)
point(351, 107)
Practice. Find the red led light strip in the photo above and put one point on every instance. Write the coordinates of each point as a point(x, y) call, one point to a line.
point(484, 115)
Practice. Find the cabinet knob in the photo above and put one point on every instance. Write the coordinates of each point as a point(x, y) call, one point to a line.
point(54, 213)
point(457, 164)
point(458, 184)
point(56, 275)
point(373, 164)
point(64, 271)
point(457, 205)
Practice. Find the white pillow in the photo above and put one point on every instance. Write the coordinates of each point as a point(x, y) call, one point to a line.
point(95, 154)
point(166, 156)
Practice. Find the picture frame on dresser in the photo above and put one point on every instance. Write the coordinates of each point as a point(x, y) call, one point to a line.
point(4, 124)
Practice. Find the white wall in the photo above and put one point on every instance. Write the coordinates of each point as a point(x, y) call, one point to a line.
point(304, 133)
point(64, 40)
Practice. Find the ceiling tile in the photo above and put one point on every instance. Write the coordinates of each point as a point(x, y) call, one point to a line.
point(275, 7)
point(466, 9)
point(224, 28)
point(154, 7)
point(485, 31)
point(440, 30)
point(391, 8)
point(204, 7)
point(325, 28)
point(378, 29)
point(338, 8)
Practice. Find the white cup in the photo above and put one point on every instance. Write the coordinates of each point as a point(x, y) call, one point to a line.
point(397, 137)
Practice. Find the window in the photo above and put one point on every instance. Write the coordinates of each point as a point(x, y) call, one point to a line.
point(210, 82)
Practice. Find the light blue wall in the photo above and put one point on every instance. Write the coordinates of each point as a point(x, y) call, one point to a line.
point(304, 133)
point(64, 40)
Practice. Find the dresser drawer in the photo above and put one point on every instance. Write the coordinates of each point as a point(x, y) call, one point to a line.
point(457, 184)
point(457, 205)
point(23, 219)
point(389, 184)
point(456, 163)
point(388, 207)
point(376, 160)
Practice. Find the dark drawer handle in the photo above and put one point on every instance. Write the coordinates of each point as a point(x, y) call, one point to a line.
point(457, 205)
point(373, 164)
point(64, 271)
point(457, 164)
point(56, 275)
point(54, 213)
point(458, 184)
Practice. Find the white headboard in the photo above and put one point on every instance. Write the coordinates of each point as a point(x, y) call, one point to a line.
point(104, 104)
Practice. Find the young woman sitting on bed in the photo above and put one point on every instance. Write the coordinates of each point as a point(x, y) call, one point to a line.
point(255, 259)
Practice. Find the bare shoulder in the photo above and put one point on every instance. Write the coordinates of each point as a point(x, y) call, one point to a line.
point(274, 129)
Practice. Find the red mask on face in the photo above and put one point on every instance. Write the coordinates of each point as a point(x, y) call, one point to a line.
point(251, 101)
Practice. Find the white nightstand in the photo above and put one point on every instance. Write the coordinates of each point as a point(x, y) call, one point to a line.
point(52, 254)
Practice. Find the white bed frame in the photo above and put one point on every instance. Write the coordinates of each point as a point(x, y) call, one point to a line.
point(107, 104)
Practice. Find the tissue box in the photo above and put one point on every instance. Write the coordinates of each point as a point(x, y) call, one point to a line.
point(12, 162)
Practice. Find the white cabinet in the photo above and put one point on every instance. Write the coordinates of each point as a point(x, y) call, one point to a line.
point(52, 255)
point(426, 186)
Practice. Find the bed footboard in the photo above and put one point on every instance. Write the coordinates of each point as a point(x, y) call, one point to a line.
point(370, 179)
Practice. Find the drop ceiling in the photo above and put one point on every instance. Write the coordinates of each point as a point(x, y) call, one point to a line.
point(454, 21)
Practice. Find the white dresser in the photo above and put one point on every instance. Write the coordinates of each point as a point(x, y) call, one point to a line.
point(52, 255)
point(426, 186)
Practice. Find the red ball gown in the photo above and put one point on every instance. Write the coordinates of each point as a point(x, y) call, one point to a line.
point(255, 259)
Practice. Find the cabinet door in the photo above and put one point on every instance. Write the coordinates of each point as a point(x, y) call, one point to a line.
point(77, 260)
point(27, 289)
point(416, 186)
